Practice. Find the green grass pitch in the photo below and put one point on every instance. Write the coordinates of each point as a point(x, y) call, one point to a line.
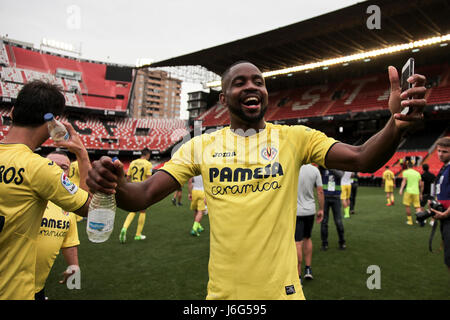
point(173, 265)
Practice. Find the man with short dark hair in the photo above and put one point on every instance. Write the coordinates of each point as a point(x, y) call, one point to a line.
point(443, 195)
point(28, 181)
point(250, 174)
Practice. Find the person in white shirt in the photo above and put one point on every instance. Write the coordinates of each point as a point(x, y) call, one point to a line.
point(309, 178)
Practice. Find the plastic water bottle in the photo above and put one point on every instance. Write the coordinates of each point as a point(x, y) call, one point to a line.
point(100, 221)
point(56, 129)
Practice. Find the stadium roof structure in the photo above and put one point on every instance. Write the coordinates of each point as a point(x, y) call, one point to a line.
point(331, 35)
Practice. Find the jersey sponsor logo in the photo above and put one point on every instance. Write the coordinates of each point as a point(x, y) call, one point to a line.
point(224, 154)
point(11, 174)
point(227, 174)
point(67, 184)
point(269, 153)
point(55, 224)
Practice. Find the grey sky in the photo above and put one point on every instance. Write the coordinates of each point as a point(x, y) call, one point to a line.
point(123, 31)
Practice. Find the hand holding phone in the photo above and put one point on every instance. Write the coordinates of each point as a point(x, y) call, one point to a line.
point(407, 71)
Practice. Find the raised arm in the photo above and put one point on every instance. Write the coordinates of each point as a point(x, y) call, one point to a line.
point(75, 145)
point(108, 177)
point(379, 148)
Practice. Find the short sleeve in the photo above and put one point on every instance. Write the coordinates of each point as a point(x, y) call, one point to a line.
point(51, 183)
point(318, 177)
point(71, 239)
point(183, 165)
point(312, 145)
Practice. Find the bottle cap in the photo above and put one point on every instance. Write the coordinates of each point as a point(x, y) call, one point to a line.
point(48, 116)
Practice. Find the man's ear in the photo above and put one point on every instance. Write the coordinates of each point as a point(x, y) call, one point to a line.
point(222, 98)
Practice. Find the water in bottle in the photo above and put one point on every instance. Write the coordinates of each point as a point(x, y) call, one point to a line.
point(100, 221)
point(56, 129)
point(102, 211)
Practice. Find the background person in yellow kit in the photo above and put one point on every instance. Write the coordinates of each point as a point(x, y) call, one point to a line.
point(412, 180)
point(346, 190)
point(139, 170)
point(58, 227)
point(389, 185)
point(198, 203)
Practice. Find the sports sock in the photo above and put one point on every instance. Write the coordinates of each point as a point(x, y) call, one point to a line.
point(388, 200)
point(409, 220)
point(140, 225)
point(347, 212)
point(392, 199)
point(128, 220)
point(195, 226)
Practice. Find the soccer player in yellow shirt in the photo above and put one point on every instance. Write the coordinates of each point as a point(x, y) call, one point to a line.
point(27, 182)
point(138, 171)
point(250, 174)
point(389, 185)
point(412, 180)
point(198, 203)
point(59, 228)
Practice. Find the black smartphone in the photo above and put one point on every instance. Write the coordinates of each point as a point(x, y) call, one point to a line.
point(407, 71)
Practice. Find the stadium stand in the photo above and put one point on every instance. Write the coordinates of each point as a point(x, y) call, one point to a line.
point(92, 91)
point(120, 134)
point(364, 94)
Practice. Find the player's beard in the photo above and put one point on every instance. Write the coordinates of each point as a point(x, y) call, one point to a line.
point(238, 112)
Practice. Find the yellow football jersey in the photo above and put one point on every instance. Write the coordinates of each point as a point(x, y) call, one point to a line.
point(251, 190)
point(74, 173)
point(388, 177)
point(139, 170)
point(58, 230)
point(27, 181)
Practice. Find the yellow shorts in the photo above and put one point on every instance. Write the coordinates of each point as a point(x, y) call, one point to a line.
point(198, 200)
point(389, 187)
point(346, 191)
point(411, 199)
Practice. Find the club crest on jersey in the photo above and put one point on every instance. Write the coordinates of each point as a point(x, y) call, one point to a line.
point(269, 153)
point(67, 184)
